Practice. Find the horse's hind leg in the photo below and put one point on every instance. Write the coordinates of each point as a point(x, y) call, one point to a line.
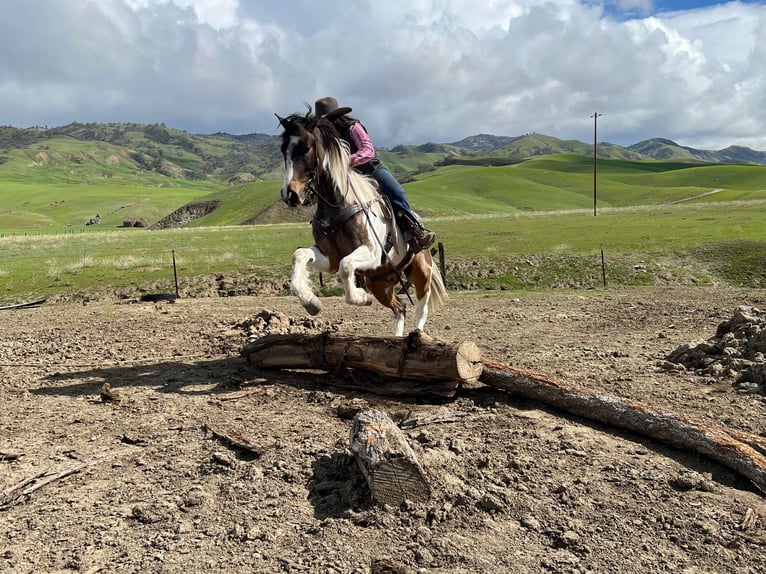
point(300, 284)
point(384, 292)
point(420, 275)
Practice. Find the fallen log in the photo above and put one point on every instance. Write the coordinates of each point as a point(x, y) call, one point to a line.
point(731, 448)
point(402, 362)
point(386, 460)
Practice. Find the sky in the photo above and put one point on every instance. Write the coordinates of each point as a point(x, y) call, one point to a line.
point(414, 71)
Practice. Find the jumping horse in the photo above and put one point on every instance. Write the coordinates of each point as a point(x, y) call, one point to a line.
point(354, 230)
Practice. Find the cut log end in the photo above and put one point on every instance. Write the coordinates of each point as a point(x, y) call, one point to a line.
point(469, 362)
point(396, 480)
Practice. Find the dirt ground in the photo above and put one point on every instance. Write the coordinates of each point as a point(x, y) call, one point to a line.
point(517, 486)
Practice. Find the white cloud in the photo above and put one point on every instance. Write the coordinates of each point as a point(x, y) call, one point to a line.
point(414, 71)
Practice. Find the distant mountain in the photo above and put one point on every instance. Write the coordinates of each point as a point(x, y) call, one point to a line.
point(660, 148)
point(533, 144)
point(539, 144)
point(483, 142)
point(253, 156)
point(240, 158)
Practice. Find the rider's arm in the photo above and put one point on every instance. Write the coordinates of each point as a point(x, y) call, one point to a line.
point(365, 151)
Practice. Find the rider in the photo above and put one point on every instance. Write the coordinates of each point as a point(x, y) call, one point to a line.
point(364, 159)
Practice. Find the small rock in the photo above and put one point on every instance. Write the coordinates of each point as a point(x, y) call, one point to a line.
point(688, 480)
point(195, 497)
point(109, 395)
point(224, 459)
point(531, 523)
point(423, 533)
point(423, 556)
point(747, 388)
point(490, 503)
point(569, 538)
point(457, 446)
point(424, 437)
point(386, 566)
point(145, 515)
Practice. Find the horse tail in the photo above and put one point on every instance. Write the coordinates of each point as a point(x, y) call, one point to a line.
point(439, 294)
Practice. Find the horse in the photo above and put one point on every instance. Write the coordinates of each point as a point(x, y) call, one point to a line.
point(354, 231)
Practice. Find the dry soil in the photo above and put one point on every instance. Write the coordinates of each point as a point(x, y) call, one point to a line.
point(517, 486)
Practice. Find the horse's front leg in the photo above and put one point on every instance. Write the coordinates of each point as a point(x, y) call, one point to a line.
point(361, 258)
point(300, 283)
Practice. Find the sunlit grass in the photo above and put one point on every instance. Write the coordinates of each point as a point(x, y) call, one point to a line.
point(530, 221)
point(701, 244)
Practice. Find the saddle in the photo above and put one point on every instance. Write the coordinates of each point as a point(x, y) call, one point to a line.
point(327, 226)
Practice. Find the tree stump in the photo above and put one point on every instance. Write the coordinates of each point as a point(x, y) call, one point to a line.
point(386, 460)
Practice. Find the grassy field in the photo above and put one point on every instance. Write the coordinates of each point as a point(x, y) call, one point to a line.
point(558, 182)
point(525, 225)
point(704, 243)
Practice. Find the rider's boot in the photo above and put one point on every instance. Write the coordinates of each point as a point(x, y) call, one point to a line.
point(420, 237)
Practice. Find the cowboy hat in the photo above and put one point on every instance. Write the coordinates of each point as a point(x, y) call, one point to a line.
point(329, 105)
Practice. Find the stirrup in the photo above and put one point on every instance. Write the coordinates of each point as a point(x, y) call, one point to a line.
point(421, 239)
point(425, 239)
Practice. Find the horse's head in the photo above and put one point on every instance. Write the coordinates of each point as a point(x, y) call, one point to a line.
point(300, 155)
point(315, 157)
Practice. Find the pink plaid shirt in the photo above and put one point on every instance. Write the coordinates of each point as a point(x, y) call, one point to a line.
point(365, 151)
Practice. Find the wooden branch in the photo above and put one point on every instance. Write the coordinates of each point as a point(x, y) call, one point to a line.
point(10, 456)
point(386, 460)
point(240, 394)
point(27, 486)
point(731, 448)
point(446, 417)
point(440, 366)
point(240, 440)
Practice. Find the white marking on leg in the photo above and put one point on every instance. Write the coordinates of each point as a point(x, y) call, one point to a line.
point(300, 283)
point(398, 323)
point(361, 258)
point(421, 312)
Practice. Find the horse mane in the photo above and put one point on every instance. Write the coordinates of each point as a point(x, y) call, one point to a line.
point(349, 184)
point(332, 154)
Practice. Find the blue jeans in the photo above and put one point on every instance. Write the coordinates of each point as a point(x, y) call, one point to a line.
point(392, 189)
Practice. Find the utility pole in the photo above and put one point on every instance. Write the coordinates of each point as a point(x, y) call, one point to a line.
point(595, 156)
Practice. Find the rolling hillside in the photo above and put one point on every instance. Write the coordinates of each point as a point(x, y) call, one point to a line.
point(659, 148)
point(59, 178)
point(250, 157)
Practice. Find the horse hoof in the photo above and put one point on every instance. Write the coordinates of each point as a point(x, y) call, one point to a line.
point(313, 308)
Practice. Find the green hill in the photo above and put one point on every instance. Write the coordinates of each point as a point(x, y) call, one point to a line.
point(660, 148)
point(543, 183)
point(59, 178)
point(556, 182)
point(198, 156)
